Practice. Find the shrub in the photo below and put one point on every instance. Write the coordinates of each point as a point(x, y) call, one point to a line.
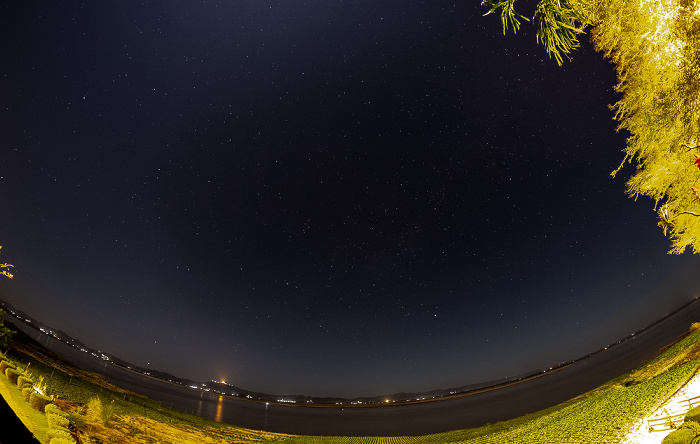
point(693, 414)
point(12, 375)
point(684, 435)
point(38, 401)
point(4, 365)
point(680, 436)
point(59, 436)
point(55, 410)
point(61, 441)
point(692, 425)
point(57, 420)
point(23, 381)
point(27, 391)
point(58, 432)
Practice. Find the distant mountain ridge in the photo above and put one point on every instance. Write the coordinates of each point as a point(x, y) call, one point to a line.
point(229, 389)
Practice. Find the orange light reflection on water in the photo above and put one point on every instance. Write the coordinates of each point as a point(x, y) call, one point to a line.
point(219, 406)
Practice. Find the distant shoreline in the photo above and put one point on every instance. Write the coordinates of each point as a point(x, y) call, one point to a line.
point(349, 404)
point(353, 404)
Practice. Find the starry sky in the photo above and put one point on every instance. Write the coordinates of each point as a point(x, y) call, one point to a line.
point(326, 197)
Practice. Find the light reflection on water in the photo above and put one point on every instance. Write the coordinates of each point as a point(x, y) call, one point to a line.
point(201, 404)
point(219, 407)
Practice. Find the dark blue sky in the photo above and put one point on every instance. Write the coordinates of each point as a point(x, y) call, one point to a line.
point(320, 197)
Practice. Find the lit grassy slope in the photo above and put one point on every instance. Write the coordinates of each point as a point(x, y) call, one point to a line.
point(33, 420)
point(602, 415)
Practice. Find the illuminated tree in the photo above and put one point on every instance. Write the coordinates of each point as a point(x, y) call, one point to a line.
point(558, 22)
point(655, 46)
point(656, 49)
point(4, 269)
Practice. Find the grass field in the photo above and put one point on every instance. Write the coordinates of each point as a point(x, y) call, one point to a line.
point(601, 415)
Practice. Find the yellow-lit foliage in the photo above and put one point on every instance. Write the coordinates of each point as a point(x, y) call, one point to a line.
point(94, 414)
point(6, 266)
point(655, 46)
point(558, 22)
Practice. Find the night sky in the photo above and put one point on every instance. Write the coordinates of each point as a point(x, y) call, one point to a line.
point(321, 197)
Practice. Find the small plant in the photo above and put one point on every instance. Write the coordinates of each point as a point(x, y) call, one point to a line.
point(98, 412)
point(107, 412)
point(93, 408)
